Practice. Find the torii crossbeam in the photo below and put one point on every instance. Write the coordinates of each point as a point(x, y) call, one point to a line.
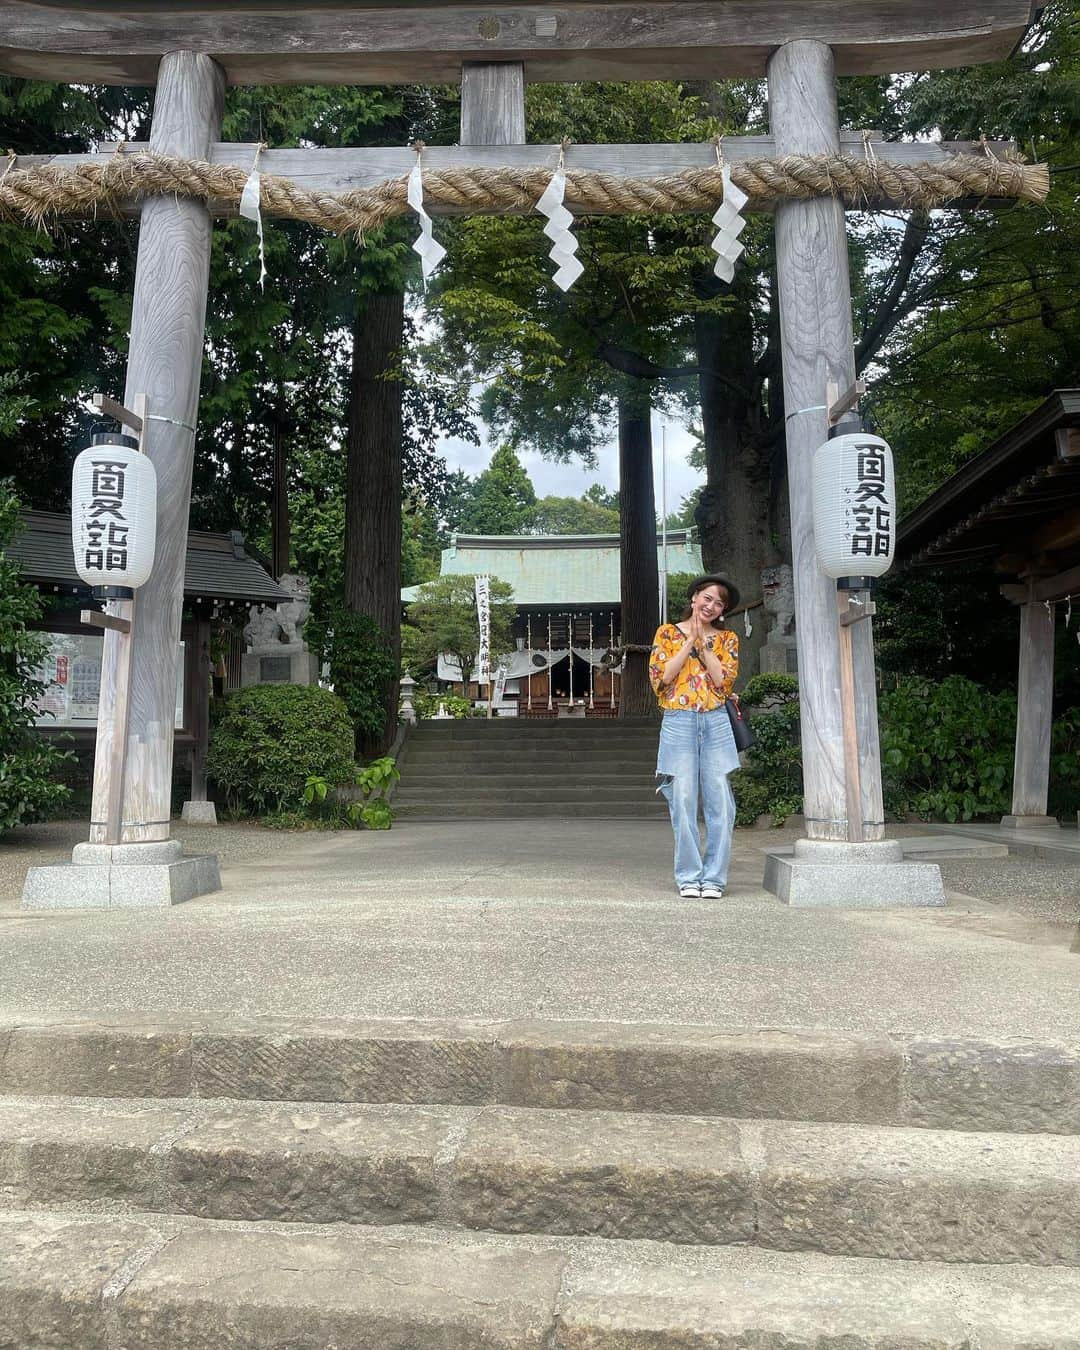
point(190, 49)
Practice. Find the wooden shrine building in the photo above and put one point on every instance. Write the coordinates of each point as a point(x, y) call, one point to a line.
point(1016, 508)
point(221, 581)
point(567, 590)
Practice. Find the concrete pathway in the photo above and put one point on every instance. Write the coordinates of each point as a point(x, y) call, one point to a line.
point(556, 919)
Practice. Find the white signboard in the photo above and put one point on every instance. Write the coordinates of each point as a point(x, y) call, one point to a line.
point(71, 673)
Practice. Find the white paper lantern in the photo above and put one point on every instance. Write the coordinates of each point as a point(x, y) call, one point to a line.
point(854, 506)
point(113, 512)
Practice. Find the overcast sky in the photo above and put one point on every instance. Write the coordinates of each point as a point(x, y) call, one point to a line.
point(571, 480)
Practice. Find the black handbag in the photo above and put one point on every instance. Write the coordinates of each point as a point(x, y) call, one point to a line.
point(740, 727)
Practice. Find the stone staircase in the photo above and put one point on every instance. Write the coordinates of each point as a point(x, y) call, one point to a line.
point(562, 1186)
point(511, 767)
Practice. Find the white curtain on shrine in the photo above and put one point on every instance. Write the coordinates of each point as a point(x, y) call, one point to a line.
point(524, 663)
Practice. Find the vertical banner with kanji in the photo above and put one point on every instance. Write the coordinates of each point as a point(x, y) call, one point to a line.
point(483, 615)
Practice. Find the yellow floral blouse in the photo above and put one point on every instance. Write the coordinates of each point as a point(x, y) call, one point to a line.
point(693, 690)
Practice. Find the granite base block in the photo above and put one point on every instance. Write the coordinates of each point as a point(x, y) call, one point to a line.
point(121, 885)
point(1031, 822)
point(199, 813)
point(891, 885)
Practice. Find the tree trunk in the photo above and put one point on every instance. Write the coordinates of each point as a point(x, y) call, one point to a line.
point(733, 513)
point(373, 486)
point(640, 579)
point(281, 544)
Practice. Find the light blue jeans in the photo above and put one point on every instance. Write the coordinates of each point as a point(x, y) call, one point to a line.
point(697, 752)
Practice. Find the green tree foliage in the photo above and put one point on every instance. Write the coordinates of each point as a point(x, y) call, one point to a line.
point(60, 288)
point(443, 619)
point(573, 515)
point(502, 499)
point(29, 763)
point(988, 319)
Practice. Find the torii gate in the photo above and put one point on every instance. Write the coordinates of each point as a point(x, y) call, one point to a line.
point(190, 50)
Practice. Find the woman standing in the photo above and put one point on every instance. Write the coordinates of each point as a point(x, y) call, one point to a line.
point(693, 666)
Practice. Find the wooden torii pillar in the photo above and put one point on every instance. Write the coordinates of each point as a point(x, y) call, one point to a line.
point(492, 48)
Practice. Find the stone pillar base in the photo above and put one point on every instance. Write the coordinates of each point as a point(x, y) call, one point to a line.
point(1031, 822)
point(827, 874)
point(199, 813)
point(122, 876)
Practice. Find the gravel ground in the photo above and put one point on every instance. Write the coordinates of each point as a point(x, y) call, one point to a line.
point(1033, 887)
point(37, 845)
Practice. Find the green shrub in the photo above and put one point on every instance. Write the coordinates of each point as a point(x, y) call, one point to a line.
point(272, 738)
point(1065, 764)
point(946, 749)
point(29, 789)
point(372, 808)
point(427, 705)
point(771, 783)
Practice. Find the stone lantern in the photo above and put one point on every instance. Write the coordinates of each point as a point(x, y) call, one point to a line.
point(407, 688)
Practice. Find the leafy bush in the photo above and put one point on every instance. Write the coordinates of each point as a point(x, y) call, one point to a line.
point(272, 738)
point(771, 783)
point(427, 705)
point(29, 789)
point(1065, 764)
point(946, 749)
point(371, 809)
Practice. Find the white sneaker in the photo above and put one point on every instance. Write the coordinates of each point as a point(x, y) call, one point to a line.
point(691, 891)
point(711, 892)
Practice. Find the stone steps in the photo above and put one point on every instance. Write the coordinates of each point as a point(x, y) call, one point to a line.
point(429, 808)
point(849, 1190)
point(147, 1283)
point(482, 790)
point(192, 1182)
point(941, 1083)
point(524, 762)
point(513, 769)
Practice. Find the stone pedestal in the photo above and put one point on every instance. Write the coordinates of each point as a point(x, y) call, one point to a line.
point(281, 663)
point(122, 876)
point(820, 874)
point(199, 813)
point(779, 657)
point(1031, 822)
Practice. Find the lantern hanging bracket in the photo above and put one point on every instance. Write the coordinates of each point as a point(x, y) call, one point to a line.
point(838, 404)
point(94, 618)
point(109, 406)
point(856, 611)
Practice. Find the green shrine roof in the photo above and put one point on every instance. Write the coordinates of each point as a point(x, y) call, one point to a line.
point(557, 569)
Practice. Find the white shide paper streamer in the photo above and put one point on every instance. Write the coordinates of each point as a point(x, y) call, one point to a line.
point(558, 231)
point(250, 209)
point(426, 245)
point(730, 224)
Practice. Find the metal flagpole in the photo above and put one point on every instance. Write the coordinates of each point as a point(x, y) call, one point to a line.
point(663, 522)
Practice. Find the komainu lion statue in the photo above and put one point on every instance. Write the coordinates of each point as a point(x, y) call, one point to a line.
point(778, 596)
